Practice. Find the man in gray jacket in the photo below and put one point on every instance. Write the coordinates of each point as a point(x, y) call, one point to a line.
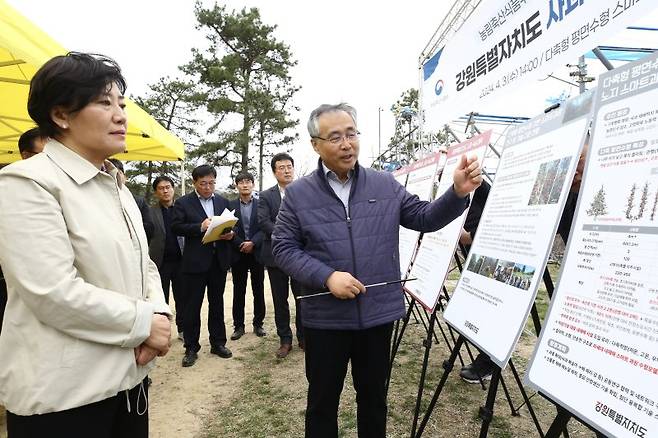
point(338, 229)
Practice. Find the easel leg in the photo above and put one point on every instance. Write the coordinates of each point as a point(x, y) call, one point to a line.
point(508, 397)
point(526, 399)
point(536, 321)
point(486, 411)
point(423, 372)
point(559, 423)
point(447, 368)
point(396, 345)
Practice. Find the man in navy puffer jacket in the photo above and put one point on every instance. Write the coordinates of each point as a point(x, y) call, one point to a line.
point(338, 229)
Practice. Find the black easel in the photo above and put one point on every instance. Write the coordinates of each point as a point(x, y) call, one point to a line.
point(447, 368)
point(486, 411)
point(559, 424)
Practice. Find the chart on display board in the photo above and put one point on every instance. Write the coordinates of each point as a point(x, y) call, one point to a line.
point(432, 261)
point(497, 288)
point(420, 181)
point(598, 352)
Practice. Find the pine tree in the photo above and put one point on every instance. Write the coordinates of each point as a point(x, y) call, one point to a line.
point(172, 103)
point(655, 204)
point(643, 201)
point(272, 123)
point(631, 202)
point(598, 206)
point(243, 54)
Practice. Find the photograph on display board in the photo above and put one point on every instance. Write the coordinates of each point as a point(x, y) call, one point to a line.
point(475, 263)
point(503, 271)
point(558, 183)
point(538, 185)
point(549, 182)
point(488, 267)
point(510, 273)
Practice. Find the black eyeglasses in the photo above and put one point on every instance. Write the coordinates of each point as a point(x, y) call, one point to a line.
point(337, 139)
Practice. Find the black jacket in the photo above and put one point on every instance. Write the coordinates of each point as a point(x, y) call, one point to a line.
point(146, 216)
point(157, 242)
point(268, 208)
point(186, 221)
point(254, 228)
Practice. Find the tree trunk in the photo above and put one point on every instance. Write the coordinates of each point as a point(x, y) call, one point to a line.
point(246, 122)
point(149, 181)
point(244, 139)
point(261, 147)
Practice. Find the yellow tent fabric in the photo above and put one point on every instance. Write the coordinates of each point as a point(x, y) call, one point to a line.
point(23, 49)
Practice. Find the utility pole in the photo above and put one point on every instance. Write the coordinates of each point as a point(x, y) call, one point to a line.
point(580, 74)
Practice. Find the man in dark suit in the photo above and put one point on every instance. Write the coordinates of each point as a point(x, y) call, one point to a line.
point(165, 248)
point(203, 265)
point(283, 167)
point(246, 244)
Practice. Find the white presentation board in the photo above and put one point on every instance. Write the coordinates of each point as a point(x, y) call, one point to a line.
point(400, 176)
point(508, 43)
point(495, 293)
point(432, 261)
point(420, 181)
point(598, 352)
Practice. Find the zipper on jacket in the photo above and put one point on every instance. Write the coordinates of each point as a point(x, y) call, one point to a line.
point(348, 221)
point(349, 229)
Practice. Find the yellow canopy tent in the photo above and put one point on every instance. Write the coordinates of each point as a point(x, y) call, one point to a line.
point(23, 49)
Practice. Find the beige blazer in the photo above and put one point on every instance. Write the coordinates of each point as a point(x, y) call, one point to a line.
point(82, 289)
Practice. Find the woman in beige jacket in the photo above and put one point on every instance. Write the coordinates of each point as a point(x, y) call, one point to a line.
point(86, 315)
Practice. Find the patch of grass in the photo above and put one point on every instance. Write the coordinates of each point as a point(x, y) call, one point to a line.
point(272, 398)
point(265, 404)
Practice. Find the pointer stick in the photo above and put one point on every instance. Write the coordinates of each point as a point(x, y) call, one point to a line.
point(383, 283)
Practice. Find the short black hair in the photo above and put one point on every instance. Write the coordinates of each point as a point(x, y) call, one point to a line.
point(70, 81)
point(161, 178)
point(203, 170)
point(26, 140)
point(244, 175)
point(118, 164)
point(281, 156)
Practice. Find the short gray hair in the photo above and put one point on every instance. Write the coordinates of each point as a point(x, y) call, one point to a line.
point(312, 125)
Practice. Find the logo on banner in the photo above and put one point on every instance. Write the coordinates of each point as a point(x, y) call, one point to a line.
point(438, 88)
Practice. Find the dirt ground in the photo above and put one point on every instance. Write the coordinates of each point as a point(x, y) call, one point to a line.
point(181, 398)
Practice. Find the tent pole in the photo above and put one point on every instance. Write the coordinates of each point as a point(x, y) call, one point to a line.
point(182, 177)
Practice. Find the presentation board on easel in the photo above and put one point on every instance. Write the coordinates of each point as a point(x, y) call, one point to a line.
point(401, 175)
point(598, 352)
point(420, 181)
point(432, 261)
point(497, 288)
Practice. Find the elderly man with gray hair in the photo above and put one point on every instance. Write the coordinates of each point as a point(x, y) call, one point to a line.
point(338, 229)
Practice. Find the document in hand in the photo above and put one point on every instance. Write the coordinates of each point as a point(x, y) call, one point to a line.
point(219, 225)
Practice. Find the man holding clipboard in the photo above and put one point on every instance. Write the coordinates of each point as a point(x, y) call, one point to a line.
point(203, 265)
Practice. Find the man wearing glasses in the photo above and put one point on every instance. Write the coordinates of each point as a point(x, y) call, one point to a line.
point(202, 266)
point(283, 167)
point(338, 229)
